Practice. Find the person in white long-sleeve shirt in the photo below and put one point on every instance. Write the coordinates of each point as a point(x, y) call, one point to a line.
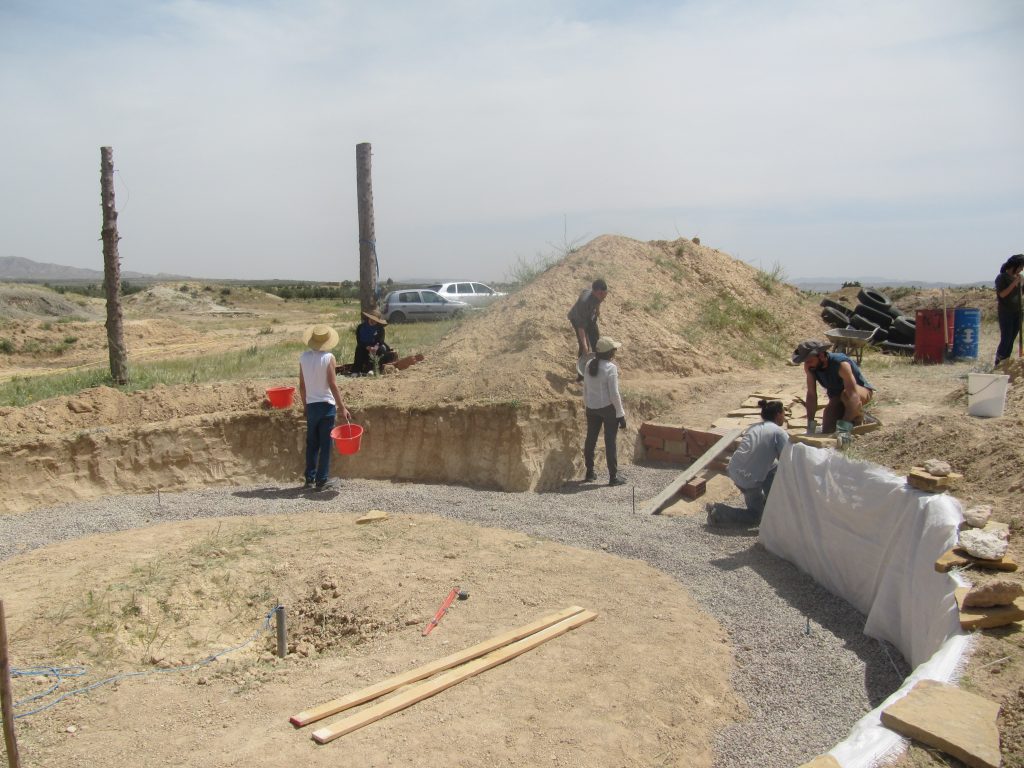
point(604, 408)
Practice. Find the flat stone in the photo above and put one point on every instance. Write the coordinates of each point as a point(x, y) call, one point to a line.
point(372, 516)
point(976, 517)
point(957, 558)
point(822, 761)
point(1002, 530)
point(994, 592)
point(984, 545)
point(987, 618)
point(943, 716)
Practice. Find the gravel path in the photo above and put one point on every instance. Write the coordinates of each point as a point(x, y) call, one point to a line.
point(803, 666)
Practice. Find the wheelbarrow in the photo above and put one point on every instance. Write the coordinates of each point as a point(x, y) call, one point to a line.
point(851, 341)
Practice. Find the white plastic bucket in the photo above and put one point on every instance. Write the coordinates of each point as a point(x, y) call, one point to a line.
point(986, 394)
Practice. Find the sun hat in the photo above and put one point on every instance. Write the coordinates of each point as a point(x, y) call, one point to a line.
point(605, 344)
point(807, 348)
point(376, 316)
point(320, 337)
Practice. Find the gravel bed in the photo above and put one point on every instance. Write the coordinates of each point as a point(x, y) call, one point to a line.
point(802, 665)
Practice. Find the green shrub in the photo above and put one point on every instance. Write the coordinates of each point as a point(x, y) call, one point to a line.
point(770, 279)
point(6, 346)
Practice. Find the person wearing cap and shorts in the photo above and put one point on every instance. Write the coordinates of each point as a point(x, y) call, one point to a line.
point(847, 389)
point(583, 318)
point(318, 389)
point(604, 408)
point(370, 344)
point(753, 465)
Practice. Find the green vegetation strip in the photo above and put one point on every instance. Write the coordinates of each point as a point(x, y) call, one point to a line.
point(255, 362)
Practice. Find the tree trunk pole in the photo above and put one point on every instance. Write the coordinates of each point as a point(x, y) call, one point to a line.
point(112, 271)
point(367, 232)
point(6, 699)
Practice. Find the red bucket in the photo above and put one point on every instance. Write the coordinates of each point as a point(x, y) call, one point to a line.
point(347, 438)
point(280, 397)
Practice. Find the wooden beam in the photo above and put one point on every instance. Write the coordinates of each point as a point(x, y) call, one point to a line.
point(405, 678)
point(662, 500)
point(452, 677)
point(6, 698)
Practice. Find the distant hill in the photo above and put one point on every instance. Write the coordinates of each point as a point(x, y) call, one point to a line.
point(835, 283)
point(16, 268)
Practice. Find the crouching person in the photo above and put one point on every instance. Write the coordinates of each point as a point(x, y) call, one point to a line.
point(752, 467)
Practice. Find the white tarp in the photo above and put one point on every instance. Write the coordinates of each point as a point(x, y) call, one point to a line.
point(865, 535)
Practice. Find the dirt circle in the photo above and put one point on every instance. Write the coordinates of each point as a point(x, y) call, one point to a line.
point(644, 684)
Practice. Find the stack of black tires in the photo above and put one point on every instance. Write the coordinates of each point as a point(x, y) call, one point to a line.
point(894, 331)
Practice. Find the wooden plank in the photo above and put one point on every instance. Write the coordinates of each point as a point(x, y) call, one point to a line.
point(405, 678)
point(429, 688)
point(662, 500)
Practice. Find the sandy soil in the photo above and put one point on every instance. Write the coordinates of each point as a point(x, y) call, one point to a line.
point(691, 352)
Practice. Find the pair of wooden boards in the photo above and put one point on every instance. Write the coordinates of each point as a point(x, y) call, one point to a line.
point(456, 668)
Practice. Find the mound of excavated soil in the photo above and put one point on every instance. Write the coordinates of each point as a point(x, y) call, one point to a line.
point(680, 309)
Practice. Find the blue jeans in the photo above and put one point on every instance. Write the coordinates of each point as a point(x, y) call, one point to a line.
point(319, 423)
point(755, 499)
point(1009, 327)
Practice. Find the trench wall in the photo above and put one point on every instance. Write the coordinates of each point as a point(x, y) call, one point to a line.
point(505, 446)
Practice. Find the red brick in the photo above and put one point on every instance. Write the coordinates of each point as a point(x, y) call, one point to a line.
point(676, 446)
point(654, 442)
point(664, 431)
point(653, 454)
point(694, 488)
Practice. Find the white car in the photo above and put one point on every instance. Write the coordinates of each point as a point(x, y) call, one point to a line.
point(420, 304)
point(474, 294)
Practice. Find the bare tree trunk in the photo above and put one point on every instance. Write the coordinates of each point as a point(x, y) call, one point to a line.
point(112, 271)
point(367, 234)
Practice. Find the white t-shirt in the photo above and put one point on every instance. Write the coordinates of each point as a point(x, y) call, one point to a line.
point(314, 373)
point(602, 389)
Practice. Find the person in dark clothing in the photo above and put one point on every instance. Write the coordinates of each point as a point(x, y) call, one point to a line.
point(371, 350)
point(583, 318)
point(847, 389)
point(1008, 308)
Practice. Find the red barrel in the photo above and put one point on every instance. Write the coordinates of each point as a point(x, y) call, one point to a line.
point(931, 340)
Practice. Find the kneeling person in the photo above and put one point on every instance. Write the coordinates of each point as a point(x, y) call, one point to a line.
point(847, 389)
point(752, 467)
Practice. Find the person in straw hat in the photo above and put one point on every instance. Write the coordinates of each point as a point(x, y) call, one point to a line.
point(321, 400)
point(604, 408)
point(370, 345)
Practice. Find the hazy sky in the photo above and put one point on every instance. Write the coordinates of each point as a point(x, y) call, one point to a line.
point(835, 138)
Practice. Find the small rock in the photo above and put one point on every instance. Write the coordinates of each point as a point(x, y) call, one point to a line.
point(976, 517)
point(71, 729)
point(937, 467)
point(304, 649)
point(995, 592)
point(329, 584)
point(983, 544)
point(203, 681)
point(79, 406)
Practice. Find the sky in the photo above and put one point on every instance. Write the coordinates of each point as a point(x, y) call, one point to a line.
point(833, 139)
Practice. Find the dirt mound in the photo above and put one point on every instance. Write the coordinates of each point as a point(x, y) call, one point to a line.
point(21, 302)
point(186, 298)
point(680, 309)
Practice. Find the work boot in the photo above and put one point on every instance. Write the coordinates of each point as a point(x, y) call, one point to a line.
point(590, 476)
point(617, 480)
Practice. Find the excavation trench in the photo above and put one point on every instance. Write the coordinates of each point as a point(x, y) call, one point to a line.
point(508, 447)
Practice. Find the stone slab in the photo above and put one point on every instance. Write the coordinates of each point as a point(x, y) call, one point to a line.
point(372, 516)
point(952, 720)
point(817, 441)
point(987, 618)
point(822, 761)
point(957, 558)
point(926, 481)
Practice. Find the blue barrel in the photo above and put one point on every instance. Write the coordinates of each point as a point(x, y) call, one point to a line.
point(966, 328)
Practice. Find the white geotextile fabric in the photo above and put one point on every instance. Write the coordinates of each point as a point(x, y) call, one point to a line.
point(868, 537)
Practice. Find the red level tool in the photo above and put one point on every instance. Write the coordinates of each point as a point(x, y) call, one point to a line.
point(441, 611)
